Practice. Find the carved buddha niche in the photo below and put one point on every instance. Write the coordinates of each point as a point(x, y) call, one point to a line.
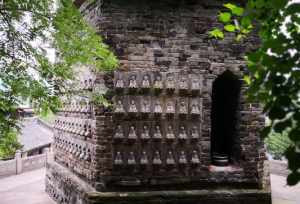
point(146, 106)
point(195, 157)
point(158, 84)
point(118, 159)
point(170, 107)
point(132, 82)
point(194, 133)
point(119, 132)
point(146, 81)
point(120, 83)
point(132, 133)
point(170, 84)
point(131, 159)
point(145, 132)
point(119, 107)
point(183, 107)
point(157, 159)
point(195, 109)
point(144, 158)
point(183, 83)
point(157, 107)
point(182, 133)
point(182, 158)
point(132, 107)
point(170, 133)
point(157, 132)
point(195, 84)
point(170, 158)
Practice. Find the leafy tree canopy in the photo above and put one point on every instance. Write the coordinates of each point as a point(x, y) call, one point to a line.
point(274, 77)
point(25, 70)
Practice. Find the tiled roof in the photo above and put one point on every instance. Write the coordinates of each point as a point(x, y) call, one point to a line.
point(34, 135)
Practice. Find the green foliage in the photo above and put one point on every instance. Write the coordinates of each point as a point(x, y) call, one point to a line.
point(8, 145)
point(225, 17)
point(25, 71)
point(274, 67)
point(99, 99)
point(217, 33)
point(277, 144)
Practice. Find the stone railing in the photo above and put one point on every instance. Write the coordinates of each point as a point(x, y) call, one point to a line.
point(19, 165)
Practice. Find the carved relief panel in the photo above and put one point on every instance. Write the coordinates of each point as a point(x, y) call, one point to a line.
point(157, 119)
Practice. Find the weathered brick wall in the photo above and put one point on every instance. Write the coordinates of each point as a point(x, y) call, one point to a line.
point(151, 37)
point(165, 36)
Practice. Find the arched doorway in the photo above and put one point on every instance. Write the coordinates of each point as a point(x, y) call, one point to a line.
point(225, 101)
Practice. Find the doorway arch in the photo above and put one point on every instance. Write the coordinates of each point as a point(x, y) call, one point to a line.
point(225, 103)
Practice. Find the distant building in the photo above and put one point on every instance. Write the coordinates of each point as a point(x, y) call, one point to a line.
point(34, 137)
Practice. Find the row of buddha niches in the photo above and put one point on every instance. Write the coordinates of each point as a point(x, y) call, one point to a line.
point(146, 131)
point(76, 148)
point(157, 105)
point(170, 81)
point(77, 127)
point(156, 157)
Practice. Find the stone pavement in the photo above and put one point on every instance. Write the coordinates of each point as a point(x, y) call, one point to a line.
point(28, 188)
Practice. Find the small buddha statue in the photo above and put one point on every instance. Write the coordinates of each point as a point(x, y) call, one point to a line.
point(119, 132)
point(157, 133)
point(195, 109)
point(156, 158)
point(170, 133)
point(170, 107)
point(182, 158)
point(119, 107)
point(146, 106)
point(144, 158)
point(132, 82)
point(120, 83)
point(170, 82)
point(132, 107)
point(132, 133)
point(145, 133)
point(131, 159)
point(182, 133)
point(170, 159)
point(87, 155)
point(194, 133)
point(195, 84)
point(157, 107)
point(158, 82)
point(183, 84)
point(182, 107)
point(78, 151)
point(118, 159)
point(146, 82)
point(82, 154)
point(195, 157)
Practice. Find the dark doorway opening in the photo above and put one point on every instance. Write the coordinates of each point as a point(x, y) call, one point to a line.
point(225, 101)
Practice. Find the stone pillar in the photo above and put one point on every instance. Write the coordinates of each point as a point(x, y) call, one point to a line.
point(48, 155)
point(18, 158)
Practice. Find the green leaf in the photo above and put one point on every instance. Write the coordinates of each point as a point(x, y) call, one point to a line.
point(216, 33)
point(239, 37)
point(225, 17)
point(239, 11)
point(247, 79)
point(230, 6)
point(236, 10)
point(229, 28)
